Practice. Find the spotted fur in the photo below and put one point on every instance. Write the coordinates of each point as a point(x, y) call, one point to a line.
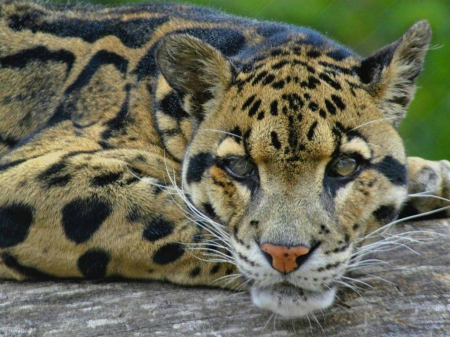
point(170, 142)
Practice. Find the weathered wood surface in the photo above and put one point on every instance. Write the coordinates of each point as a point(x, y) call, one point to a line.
point(416, 303)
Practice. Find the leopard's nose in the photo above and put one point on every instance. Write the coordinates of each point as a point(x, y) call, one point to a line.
point(285, 259)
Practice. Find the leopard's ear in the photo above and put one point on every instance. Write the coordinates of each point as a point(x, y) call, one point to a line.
point(191, 66)
point(390, 73)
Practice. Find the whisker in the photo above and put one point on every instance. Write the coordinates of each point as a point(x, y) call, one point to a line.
point(221, 131)
point(317, 321)
point(372, 121)
point(350, 279)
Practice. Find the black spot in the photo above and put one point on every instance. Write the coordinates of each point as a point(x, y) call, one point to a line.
point(7, 140)
point(324, 230)
point(313, 54)
point(294, 100)
point(338, 101)
point(311, 130)
point(171, 106)
point(55, 175)
point(254, 223)
point(195, 272)
point(278, 85)
point(198, 164)
point(385, 213)
point(338, 54)
point(322, 113)
point(168, 253)
point(106, 179)
point(248, 102)
point(400, 100)
point(81, 218)
point(29, 272)
point(209, 210)
point(274, 108)
point(236, 134)
point(24, 57)
point(269, 79)
point(254, 108)
point(229, 271)
point(330, 107)
point(280, 64)
point(15, 222)
point(275, 142)
point(312, 83)
point(260, 115)
point(330, 81)
point(157, 229)
point(215, 269)
point(277, 52)
point(393, 170)
point(313, 106)
point(260, 76)
point(93, 263)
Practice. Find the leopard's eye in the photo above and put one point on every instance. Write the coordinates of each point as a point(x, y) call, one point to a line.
point(343, 167)
point(239, 167)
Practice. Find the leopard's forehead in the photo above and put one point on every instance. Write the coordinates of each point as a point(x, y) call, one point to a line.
point(298, 103)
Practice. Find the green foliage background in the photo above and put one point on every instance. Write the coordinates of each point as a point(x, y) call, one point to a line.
point(366, 25)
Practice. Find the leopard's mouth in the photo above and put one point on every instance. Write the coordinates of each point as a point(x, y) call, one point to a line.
point(290, 301)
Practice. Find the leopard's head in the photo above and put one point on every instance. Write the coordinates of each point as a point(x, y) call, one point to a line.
point(294, 149)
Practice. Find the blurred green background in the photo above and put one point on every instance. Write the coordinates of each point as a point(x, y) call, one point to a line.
point(366, 25)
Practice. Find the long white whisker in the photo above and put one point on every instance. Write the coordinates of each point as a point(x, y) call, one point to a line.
point(372, 121)
point(387, 226)
point(417, 195)
point(221, 131)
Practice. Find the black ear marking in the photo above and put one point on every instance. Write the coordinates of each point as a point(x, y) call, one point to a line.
point(389, 74)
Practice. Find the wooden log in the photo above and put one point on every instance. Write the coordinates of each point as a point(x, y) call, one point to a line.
point(410, 296)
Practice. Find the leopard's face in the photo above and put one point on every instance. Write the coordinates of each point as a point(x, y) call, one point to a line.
point(296, 154)
point(302, 165)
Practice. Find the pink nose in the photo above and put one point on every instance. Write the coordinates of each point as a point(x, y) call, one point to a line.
point(283, 258)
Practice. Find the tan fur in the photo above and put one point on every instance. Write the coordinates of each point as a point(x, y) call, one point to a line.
point(124, 168)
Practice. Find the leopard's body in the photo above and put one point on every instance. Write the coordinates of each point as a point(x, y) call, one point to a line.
point(275, 136)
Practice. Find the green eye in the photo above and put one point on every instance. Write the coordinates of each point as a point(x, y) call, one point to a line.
point(239, 167)
point(343, 167)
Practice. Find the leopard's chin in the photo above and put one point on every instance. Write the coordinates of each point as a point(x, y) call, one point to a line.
point(290, 301)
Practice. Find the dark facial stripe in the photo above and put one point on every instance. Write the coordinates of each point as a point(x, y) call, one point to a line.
point(275, 141)
point(198, 164)
point(311, 130)
point(393, 170)
point(385, 213)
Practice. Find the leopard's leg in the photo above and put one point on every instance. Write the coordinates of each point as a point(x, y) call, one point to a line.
point(428, 188)
point(98, 213)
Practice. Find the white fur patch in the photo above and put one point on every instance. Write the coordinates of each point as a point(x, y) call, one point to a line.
point(290, 303)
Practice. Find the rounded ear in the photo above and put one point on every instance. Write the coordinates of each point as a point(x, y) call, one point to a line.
point(390, 73)
point(191, 66)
